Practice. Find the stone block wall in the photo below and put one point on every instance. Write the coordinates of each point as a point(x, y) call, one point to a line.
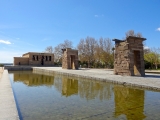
point(35, 59)
point(46, 59)
point(21, 61)
point(70, 59)
point(129, 58)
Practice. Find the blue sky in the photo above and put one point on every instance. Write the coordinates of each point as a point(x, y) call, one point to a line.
point(32, 25)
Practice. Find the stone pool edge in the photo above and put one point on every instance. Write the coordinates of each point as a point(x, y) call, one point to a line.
point(8, 108)
point(149, 87)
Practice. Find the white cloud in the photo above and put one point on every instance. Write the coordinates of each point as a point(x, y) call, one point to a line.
point(96, 16)
point(158, 29)
point(5, 42)
point(99, 15)
point(145, 47)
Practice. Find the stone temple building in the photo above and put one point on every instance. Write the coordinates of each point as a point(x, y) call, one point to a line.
point(129, 56)
point(70, 59)
point(35, 59)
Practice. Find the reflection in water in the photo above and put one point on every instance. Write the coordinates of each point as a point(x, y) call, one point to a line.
point(85, 88)
point(69, 86)
point(94, 89)
point(77, 98)
point(32, 79)
point(129, 102)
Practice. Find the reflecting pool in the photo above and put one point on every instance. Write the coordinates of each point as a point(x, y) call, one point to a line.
point(57, 97)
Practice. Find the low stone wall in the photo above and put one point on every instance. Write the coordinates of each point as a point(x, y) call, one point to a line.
point(8, 108)
point(18, 68)
point(135, 85)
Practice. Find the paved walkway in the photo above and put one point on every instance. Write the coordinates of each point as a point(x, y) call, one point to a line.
point(150, 81)
point(1, 71)
point(8, 110)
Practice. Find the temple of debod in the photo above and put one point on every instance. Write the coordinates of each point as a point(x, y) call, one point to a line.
point(129, 57)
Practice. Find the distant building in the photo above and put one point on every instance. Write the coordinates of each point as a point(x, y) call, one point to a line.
point(35, 59)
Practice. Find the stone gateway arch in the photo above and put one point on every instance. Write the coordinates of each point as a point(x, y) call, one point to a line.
point(129, 56)
point(70, 59)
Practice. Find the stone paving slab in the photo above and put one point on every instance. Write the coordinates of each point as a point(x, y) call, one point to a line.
point(1, 71)
point(8, 109)
point(150, 81)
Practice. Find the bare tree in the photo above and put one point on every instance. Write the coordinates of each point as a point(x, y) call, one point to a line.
point(132, 33)
point(57, 52)
point(67, 44)
point(59, 47)
point(86, 49)
point(104, 52)
point(82, 50)
point(96, 51)
point(139, 35)
point(49, 49)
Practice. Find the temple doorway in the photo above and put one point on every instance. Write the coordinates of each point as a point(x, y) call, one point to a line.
point(42, 60)
point(72, 61)
point(137, 63)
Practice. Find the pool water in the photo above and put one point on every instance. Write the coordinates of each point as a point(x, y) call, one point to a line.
point(57, 97)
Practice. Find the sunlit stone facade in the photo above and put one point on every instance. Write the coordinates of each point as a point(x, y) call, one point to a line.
point(70, 59)
point(35, 59)
point(129, 58)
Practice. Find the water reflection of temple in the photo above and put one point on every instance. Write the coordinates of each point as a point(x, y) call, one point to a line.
point(69, 86)
point(31, 79)
point(94, 89)
point(129, 102)
point(85, 88)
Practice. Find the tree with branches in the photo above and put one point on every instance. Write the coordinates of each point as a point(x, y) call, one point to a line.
point(153, 57)
point(86, 49)
point(58, 49)
point(49, 49)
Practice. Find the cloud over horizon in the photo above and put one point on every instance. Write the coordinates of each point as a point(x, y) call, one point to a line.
point(99, 15)
point(96, 16)
point(158, 29)
point(5, 42)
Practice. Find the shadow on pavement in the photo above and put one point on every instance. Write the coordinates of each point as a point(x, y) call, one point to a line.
point(153, 76)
